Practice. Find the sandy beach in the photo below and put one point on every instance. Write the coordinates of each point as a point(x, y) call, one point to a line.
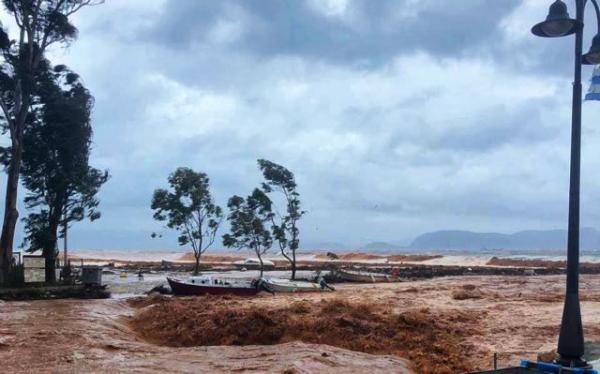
point(116, 257)
point(305, 257)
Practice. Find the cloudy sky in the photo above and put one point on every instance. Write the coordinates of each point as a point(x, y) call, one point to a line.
point(397, 116)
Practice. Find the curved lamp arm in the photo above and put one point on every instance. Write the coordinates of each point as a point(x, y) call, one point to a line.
point(597, 9)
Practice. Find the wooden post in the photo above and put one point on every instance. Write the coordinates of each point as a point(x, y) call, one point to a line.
point(65, 249)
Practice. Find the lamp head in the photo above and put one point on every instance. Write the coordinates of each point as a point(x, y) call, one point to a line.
point(593, 56)
point(558, 22)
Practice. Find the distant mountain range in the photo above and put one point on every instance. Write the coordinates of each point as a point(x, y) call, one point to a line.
point(382, 246)
point(522, 240)
point(327, 246)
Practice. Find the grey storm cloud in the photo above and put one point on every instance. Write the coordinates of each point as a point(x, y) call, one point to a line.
point(501, 126)
point(533, 55)
point(372, 31)
point(397, 116)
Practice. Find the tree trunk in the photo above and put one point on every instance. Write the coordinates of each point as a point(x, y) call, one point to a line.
point(262, 266)
point(293, 264)
point(50, 268)
point(65, 247)
point(197, 266)
point(49, 251)
point(289, 259)
point(11, 214)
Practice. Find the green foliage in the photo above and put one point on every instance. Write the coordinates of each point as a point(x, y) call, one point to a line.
point(62, 186)
point(190, 209)
point(285, 230)
point(276, 176)
point(40, 23)
point(47, 21)
point(249, 221)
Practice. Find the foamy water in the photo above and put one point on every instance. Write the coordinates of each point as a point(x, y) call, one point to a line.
point(449, 259)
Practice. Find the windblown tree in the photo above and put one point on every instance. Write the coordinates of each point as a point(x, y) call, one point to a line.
point(249, 221)
point(62, 186)
point(190, 209)
point(285, 228)
point(41, 23)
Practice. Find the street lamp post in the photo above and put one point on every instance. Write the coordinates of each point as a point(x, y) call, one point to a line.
point(558, 23)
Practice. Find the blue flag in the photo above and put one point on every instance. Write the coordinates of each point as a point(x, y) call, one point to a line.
point(594, 91)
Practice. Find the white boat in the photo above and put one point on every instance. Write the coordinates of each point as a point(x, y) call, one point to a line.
point(286, 285)
point(363, 277)
point(253, 263)
point(201, 285)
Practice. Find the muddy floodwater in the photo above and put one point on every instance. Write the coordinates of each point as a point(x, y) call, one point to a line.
point(516, 317)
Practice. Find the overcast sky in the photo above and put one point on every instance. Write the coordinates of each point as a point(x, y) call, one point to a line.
point(397, 117)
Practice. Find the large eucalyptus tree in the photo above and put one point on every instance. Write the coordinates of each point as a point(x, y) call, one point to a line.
point(62, 186)
point(284, 226)
point(249, 221)
point(40, 23)
point(190, 209)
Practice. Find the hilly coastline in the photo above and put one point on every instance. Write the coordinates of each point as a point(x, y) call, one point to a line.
point(522, 240)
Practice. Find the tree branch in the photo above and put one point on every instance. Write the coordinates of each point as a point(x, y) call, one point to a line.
point(7, 115)
point(82, 4)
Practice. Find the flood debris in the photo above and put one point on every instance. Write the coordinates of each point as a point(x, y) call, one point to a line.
point(586, 267)
point(434, 341)
point(467, 291)
point(160, 289)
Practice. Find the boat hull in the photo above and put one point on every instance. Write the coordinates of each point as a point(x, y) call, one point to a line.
point(363, 278)
point(186, 289)
point(293, 288)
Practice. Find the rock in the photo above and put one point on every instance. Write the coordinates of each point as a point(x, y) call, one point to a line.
point(161, 289)
point(333, 256)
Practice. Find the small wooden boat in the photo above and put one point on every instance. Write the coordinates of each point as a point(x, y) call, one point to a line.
point(363, 277)
point(285, 285)
point(205, 285)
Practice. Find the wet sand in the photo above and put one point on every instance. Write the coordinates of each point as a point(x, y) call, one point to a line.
point(517, 317)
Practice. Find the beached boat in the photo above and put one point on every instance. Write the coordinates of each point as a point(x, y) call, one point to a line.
point(206, 285)
point(286, 285)
point(253, 263)
point(361, 276)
